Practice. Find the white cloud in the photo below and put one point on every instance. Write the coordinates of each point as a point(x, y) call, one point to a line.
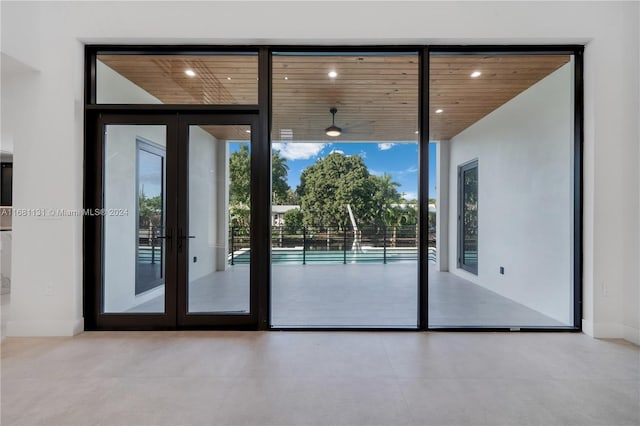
point(410, 195)
point(408, 171)
point(299, 151)
point(385, 146)
point(337, 151)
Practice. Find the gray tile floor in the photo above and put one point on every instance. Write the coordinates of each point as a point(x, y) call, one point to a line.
point(364, 295)
point(320, 378)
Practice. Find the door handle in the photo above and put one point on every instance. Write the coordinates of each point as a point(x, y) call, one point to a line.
point(166, 237)
point(183, 237)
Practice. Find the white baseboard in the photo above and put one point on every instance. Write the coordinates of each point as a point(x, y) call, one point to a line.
point(45, 328)
point(608, 330)
point(631, 334)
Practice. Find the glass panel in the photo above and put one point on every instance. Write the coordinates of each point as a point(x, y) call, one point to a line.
point(469, 218)
point(219, 206)
point(177, 79)
point(345, 210)
point(503, 127)
point(6, 185)
point(134, 202)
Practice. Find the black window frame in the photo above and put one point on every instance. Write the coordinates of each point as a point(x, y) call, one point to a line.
point(262, 204)
point(462, 169)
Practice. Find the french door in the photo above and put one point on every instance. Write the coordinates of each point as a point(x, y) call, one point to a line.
point(172, 252)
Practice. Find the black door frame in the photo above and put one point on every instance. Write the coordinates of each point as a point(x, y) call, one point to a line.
point(94, 227)
point(175, 314)
point(221, 319)
point(261, 160)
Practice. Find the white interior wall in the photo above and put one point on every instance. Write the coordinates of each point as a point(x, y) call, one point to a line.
point(203, 206)
point(525, 198)
point(632, 289)
point(48, 37)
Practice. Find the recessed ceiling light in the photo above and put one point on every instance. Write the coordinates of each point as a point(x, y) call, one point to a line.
point(248, 131)
point(286, 78)
point(439, 111)
point(417, 132)
point(228, 78)
point(476, 74)
point(332, 74)
point(190, 73)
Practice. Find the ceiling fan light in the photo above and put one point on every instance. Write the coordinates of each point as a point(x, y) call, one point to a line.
point(333, 131)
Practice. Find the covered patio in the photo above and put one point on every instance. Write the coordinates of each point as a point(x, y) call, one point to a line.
point(359, 295)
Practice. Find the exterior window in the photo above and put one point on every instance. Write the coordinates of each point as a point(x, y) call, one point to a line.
point(468, 217)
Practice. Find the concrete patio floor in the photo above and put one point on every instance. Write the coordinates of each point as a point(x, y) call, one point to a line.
point(359, 295)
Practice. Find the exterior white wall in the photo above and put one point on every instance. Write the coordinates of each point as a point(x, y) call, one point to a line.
point(48, 131)
point(120, 231)
point(443, 189)
point(222, 183)
point(525, 198)
point(112, 88)
point(203, 202)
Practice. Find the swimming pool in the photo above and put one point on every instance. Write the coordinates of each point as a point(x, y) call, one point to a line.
point(296, 256)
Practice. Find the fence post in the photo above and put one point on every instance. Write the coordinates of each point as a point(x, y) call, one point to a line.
point(344, 247)
point(304, 245)
point(384, 244)
point(153, 245)
point(233, 231)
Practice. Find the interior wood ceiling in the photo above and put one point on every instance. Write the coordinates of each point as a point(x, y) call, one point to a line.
point(376, 96)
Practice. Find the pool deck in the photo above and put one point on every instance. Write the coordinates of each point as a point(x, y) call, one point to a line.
point(359, 295)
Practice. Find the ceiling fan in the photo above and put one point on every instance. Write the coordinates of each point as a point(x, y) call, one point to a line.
point(333, 130)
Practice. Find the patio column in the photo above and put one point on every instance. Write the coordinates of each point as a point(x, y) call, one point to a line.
point(442, 206)
point(222, 203)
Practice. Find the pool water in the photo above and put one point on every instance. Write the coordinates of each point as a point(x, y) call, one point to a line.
point(316, 257)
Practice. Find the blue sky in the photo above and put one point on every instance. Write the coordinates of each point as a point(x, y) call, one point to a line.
point(397, 159)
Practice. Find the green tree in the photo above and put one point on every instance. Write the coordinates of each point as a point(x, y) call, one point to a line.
point(279, 171)
point(239, 218)
point(293, 221)
point(385, 199)
point(292, 198)
point(240, 177)
point(327, 186)
point(149, 210)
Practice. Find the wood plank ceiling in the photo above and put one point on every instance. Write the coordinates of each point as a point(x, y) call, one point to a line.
point(376, 96)
point(465, 100)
